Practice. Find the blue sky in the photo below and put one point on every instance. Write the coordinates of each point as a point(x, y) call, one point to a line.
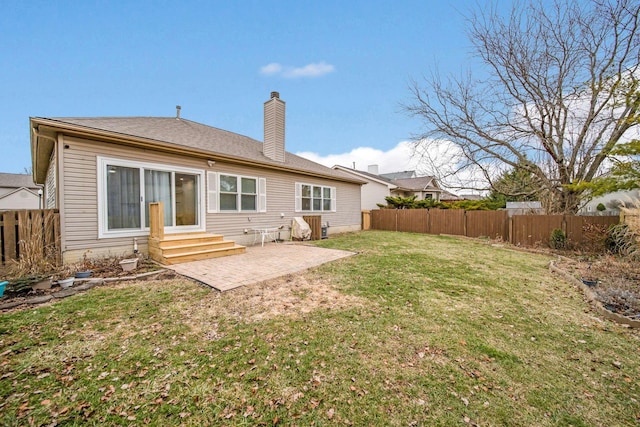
point(343, 68)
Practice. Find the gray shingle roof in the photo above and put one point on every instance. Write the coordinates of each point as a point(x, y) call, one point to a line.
point(365, 174)
point(416, 184)
point(16, 180)
point(186, 133)
point(399, 175)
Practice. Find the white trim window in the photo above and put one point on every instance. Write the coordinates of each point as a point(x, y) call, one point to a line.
point(125, 189)
point(235, 193)
point(315, 198)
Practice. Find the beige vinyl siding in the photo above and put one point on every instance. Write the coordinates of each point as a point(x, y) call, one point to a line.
point(20, 199)
point(80, 198)
point(374, 193)
point(281, 200)
point(80, 216)
point(81, 194)
point(50, 186)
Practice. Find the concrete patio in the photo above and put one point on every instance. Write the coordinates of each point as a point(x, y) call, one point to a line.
point(257, 264)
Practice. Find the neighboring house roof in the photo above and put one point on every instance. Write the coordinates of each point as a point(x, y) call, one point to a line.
point(171, 134)
point(17, 180)
point(399, 175)
point(422, 183)
point(367, 176)
point(446, 196)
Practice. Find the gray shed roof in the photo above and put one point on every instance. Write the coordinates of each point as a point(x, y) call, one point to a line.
point(186, 133)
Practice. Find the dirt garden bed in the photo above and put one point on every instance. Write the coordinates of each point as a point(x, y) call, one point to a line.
point(614, 282)
point(20, 290)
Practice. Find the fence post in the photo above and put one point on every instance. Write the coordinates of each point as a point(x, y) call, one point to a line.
point(24, 233)
point(464, 223)
point(428, 219)
point(510, 231)
point(56, 237)
point(10, 240)
point(366, 220)
point(396, 216)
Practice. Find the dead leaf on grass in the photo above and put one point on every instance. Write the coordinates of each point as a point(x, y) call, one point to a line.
point(330, 413)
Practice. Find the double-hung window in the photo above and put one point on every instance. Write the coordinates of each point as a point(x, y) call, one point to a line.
point(234, 193)
point(315, 198)
point(125, 189)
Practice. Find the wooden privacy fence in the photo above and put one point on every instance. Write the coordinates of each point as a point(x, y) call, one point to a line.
point(631, 217)
point(525, 230)
point(36, 231)
point(431, 221)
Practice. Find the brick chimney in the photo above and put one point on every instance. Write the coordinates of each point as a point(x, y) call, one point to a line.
point(274, 128)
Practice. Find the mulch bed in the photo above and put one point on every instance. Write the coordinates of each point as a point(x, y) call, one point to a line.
point(618, 281)
point(19, 292)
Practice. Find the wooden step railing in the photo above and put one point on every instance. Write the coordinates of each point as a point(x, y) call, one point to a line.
point(156, 220)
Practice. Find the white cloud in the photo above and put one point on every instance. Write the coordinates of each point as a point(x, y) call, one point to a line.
point(396, 159)
point(272, 68)
point(403, 157)
point(310, 70)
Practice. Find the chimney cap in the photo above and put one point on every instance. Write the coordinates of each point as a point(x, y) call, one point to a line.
point(275, 95)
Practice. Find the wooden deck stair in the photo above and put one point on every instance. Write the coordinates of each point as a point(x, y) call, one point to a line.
point(185, 247)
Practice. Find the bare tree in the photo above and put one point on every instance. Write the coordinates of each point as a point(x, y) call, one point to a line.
point(561, 91)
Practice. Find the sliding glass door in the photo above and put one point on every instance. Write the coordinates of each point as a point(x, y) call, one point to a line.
point(157, 188)
point(123, 197)
point(186, 190)
point(129, 188)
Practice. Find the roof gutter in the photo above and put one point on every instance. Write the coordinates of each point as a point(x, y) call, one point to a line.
point(39, 135)
point(39, 150)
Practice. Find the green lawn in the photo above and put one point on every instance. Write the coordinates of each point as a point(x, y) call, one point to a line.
point(414, 330)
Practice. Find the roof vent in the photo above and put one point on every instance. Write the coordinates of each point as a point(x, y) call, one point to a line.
point(178, 108)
